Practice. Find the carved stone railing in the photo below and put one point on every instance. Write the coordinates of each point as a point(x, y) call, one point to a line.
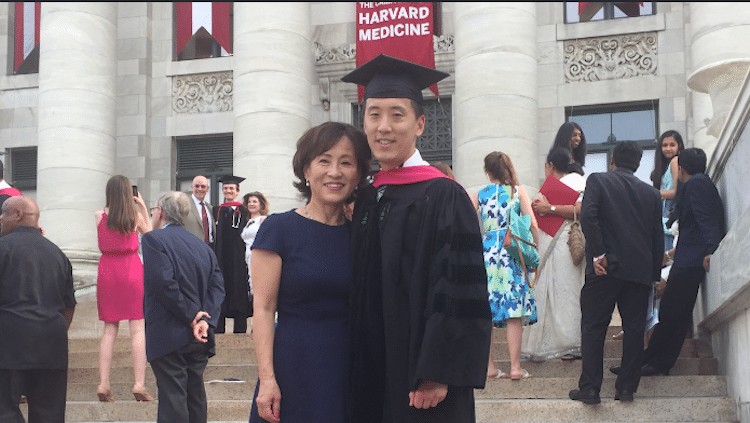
point(203, 93)
point(613, 57)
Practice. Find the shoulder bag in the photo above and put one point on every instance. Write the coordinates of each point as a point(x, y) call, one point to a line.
point(576, 243)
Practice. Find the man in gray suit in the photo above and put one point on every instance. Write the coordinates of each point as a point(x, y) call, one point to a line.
point(199, 222)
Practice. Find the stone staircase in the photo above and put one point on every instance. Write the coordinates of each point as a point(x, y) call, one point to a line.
point(693, 393)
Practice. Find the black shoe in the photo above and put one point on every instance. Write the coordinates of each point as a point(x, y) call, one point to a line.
point(624, 396)
point(647, 370)
point(615, 369)
point(587, 397)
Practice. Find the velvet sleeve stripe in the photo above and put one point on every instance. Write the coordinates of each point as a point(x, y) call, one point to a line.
point(461, 309)
point(470, 274)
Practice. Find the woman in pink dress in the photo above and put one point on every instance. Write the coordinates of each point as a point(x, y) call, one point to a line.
point(119, 287)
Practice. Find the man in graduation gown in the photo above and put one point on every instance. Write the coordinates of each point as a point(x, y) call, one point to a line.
point(6, 191)
point(420, 318)
point(230, 218)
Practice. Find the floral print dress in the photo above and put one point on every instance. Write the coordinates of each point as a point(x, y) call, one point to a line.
point(509, 293)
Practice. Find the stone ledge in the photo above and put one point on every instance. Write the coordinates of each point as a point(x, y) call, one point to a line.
point(726, 292)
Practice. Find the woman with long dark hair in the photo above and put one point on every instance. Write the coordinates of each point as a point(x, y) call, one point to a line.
point(557, 334)
point(570, 136)
point(119, 284)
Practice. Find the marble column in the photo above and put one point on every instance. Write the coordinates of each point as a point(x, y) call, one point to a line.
point(273, 69)
point(720, 57)
point(495, 102)
point(77, 68)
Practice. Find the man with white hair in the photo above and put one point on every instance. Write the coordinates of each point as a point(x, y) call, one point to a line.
point(183, 292)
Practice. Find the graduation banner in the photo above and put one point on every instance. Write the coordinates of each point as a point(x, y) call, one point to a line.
point(399, 29)
point(213, 17)
point(27, 19)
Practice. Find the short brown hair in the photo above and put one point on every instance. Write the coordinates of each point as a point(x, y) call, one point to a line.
point(322, 138)
point(498, 165)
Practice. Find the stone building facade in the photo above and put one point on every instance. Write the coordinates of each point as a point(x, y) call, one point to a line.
point(111, 95)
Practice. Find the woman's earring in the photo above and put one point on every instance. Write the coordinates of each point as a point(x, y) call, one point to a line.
point(307, 183)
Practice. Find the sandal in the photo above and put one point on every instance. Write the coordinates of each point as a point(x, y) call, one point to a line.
point(499, 375)
point(570, 357)
point(526, 375)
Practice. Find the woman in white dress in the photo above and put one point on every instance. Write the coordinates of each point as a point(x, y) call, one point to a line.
point(257, 205)
point(558, 287)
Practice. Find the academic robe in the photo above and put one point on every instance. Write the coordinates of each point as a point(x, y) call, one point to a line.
point(419, 303)
point(230, 251)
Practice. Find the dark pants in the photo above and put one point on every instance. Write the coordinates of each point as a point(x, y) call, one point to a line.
point(179, 378)
point(675, 312)
point(598, 298)
point(240, 324)
point(45, 390)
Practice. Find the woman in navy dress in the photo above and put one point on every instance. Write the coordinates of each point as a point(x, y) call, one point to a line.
point(301, 267)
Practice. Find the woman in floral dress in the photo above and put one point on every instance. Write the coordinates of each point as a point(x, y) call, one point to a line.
point(511, 299)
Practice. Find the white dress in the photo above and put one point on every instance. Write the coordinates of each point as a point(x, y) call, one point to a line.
point(248, 235)
point(558, 295)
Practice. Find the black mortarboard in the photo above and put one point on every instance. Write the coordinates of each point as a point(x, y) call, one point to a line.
point(388, 77)
point(230, 179)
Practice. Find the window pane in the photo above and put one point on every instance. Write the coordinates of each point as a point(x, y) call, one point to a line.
point(647, 166)
point(596, 127)
point(631, 9)
point(583, 11)
point(595, 162)
point(633, 126)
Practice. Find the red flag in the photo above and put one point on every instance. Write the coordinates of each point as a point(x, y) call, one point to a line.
point(192, 16)
point(27, 19)
point(399, 29)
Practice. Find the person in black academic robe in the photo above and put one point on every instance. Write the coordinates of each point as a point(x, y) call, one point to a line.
point(229, 247)
point(419, 311)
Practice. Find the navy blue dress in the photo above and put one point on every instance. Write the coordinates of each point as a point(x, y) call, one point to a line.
point(311, 340)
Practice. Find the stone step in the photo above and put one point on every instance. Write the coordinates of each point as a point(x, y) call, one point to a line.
point(122, 343)
point(232, 351)
point(687, 409)
point(534, 388)
point(640, 410)
point(247, 372)
point(124, 358)
point(552, 368)
point(559, 368)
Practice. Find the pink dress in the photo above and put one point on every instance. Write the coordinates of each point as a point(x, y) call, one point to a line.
point(119, 286)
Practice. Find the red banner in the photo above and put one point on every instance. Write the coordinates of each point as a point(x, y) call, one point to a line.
point(399, 29)
point(28, 15)
point(211, 16)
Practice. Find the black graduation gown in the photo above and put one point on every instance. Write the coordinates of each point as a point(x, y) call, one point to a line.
point(230, 252)
point(419, 303)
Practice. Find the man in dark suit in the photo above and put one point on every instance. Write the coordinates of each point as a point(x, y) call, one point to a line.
point(700, 215)
point(200, 222)
point(36, 308)
point(621, 219)
point(183, 293)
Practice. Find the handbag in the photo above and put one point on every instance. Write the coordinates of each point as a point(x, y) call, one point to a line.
point(518, 240)
point(576, 243)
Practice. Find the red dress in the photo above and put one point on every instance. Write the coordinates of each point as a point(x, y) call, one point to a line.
point(119, 286)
